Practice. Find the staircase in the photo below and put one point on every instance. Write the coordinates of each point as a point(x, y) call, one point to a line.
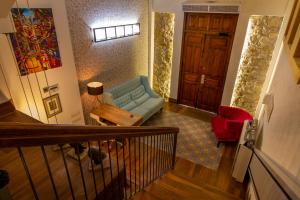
point(145, 167)
point(37, 158)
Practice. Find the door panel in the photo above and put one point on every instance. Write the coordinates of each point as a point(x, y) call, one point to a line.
point(197, 22)
point(208, 98)
point(189, 93)
point(223, 23)
point(191, 68)
point(215, 56)
point(193, 52)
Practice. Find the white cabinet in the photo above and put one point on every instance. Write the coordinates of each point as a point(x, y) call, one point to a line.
point(242, 157)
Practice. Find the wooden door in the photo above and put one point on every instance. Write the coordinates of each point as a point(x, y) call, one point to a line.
point(205, 54)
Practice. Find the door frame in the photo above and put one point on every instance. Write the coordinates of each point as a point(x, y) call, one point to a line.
point(181, 59)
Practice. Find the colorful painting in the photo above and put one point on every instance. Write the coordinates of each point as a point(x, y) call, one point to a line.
point(35, 43)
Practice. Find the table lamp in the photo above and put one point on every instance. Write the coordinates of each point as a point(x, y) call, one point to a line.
point(95, 89)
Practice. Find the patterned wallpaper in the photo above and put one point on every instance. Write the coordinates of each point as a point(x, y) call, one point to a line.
point(255, 61)
point(163, 52)
point(111, 62)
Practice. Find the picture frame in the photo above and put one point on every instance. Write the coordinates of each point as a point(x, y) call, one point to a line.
point(52, 105)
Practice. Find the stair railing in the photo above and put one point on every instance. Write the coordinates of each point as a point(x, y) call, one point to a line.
point(109, 171)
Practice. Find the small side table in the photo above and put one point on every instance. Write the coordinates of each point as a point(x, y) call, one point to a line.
point(109, 115)
point(115, 116)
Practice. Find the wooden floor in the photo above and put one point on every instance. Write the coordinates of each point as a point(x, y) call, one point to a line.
point(186, 181)
point(191, 181)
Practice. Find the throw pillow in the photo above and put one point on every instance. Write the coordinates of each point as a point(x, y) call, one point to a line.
point(123, 100)
point(138, 92)
point(142, 99)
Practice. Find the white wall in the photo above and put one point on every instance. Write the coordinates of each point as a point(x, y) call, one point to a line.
point(65, 76)
point(280, 137)
point(248, 8)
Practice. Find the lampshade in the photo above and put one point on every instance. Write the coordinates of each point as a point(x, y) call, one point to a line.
point(95, 88)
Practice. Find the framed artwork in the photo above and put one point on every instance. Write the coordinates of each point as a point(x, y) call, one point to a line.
point(52, 105)
point(35, 42)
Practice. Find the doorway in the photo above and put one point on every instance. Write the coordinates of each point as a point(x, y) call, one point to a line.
point(206, 48)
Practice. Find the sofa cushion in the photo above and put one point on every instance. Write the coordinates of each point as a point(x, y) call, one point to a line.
point(152, 104)
point(140, 111)
point(149, 107)
point(142, 99)
point(129, 106)
point(123, 100)
point(138, 92)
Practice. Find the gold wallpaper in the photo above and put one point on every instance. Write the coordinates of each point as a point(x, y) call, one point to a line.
point(255, 61)
point(163, 52)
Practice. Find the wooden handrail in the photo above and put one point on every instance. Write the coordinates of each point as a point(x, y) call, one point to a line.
point(19, 134)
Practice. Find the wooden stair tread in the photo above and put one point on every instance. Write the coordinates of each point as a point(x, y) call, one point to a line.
point(8, 113)
point(19, 117)
point(160, 191)
point(193, 181)
point(144, 195)
point(187, 182)
point(173, 187)
point(220, 180)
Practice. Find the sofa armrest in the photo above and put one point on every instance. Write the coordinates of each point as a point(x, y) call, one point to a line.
point(107, 98)
point(148, 89)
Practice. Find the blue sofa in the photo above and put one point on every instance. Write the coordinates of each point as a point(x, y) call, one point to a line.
point(135, 96)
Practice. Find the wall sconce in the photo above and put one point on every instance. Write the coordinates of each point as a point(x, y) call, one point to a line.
point(115, 32)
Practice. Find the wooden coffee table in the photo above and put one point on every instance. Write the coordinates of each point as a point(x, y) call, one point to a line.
point(116, 116)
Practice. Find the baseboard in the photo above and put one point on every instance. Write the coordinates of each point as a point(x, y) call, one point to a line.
point(172, 100)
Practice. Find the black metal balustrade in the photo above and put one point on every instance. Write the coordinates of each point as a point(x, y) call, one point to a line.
point(104, 170)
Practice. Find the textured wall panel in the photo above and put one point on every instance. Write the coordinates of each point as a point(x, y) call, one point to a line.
point(163, 52)
point(255, 61)
point(110, 62)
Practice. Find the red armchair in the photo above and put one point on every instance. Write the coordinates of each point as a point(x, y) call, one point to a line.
point(227, 126)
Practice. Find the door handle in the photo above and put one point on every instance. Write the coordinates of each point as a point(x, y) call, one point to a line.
point(202, 79)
